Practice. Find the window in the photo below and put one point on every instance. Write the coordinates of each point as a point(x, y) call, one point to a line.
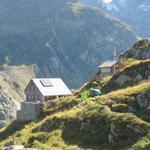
point(46, 83)
point(31, 87)
point(38, 97)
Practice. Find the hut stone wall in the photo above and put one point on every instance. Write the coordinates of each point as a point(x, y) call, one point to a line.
point(29, 111)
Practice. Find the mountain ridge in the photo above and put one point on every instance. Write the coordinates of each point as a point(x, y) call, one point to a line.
point(135, 13)
point(58, 40)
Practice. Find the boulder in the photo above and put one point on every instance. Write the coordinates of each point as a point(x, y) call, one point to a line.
point(94, 92)
point(143, 100)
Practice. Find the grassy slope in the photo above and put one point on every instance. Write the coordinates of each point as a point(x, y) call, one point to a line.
point(70, 124)
point(81, 122)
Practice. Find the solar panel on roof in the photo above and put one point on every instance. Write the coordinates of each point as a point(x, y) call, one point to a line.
point(46, 83)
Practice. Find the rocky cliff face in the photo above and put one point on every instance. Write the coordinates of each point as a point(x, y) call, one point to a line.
point(13, 81)
point(68, 41)
point(8, 107)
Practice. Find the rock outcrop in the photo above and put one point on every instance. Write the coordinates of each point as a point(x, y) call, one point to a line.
point(120, 131)
point(140, 50)
point(143, 101)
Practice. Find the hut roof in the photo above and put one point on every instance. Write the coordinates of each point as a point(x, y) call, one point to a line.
point(51, 86)
point(108, 63)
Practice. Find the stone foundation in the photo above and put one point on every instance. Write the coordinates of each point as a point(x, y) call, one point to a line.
point(29, 111)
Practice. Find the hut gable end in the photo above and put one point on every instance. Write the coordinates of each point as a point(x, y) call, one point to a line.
point(107, 68)
point(32, 92)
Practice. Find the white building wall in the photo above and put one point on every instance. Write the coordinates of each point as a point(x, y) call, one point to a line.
point(105, 70)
